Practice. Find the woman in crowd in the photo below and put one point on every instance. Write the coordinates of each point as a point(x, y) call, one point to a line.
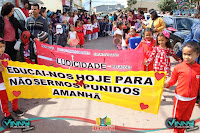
point(43, 13)
point(9, 26)
point(140, 15)
point(72, 19)
point(54, 21)
point(156, 23)
point(132, 17)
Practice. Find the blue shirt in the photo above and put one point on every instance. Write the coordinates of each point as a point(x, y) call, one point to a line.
point(111, 18)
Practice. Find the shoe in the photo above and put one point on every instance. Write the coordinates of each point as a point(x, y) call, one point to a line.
point(19, 112)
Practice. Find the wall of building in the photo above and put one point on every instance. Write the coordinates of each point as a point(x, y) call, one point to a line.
point(147, 4)
point(108, 8)
point(52, 5)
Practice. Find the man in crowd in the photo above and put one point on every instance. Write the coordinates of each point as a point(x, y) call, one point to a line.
point(93, 16)
point(25, 9)
point(36, 23)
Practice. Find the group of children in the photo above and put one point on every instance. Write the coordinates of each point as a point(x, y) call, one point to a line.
point(77, 33)
point(106, 27)
point(157, 58)
point(122, 34)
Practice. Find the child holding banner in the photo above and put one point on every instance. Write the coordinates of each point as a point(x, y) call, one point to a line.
point(79, 30)
point(160, 55)
point(148, 44)
point(188, 75)
point(3, 94)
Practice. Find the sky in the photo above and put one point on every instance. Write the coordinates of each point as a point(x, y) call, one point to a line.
point(86, 3)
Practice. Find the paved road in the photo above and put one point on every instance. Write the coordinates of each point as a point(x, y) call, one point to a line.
point(86, 109)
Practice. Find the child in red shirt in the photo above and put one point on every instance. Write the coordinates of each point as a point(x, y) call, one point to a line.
point(187, 74)
point(148, 44)
point(3, 94)
point(79, 30)
point(160, 55)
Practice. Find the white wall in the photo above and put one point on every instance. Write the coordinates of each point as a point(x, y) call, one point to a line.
point(147, 4)
point(52, 5)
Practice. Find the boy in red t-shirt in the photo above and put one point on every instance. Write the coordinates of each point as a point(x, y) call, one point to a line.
point(3, 94)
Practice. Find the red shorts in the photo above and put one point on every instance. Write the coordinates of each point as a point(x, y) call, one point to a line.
point(88, 32)
point(95, 30)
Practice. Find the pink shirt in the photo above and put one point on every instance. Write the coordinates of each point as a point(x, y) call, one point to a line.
point(131, 20)
point(9, 31)
point(71, 21)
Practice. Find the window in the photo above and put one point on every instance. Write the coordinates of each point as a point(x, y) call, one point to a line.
point(168, 22)
point(185, 23)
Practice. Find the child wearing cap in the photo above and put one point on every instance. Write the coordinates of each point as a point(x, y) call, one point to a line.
point(42, 36)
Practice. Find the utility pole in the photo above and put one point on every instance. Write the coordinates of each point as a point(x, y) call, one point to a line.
point(90, 6)
point(70, 5)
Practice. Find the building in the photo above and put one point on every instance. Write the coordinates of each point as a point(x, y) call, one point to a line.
point(145, 5)
point(52, 5)
point(19, 3)
point(76, 5)
point(107, 8)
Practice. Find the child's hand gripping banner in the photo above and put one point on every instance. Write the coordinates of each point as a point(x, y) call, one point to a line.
point(136, 90)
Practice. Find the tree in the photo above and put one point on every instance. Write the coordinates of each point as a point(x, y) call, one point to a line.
point(166, 5)
point(131, 2)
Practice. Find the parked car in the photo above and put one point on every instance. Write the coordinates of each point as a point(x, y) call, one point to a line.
point(178, 27)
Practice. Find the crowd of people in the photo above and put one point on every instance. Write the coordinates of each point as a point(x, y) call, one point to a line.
point(74, 29)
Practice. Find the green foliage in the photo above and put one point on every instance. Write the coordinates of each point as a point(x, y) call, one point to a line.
point(166, 5)
point(131, 2)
